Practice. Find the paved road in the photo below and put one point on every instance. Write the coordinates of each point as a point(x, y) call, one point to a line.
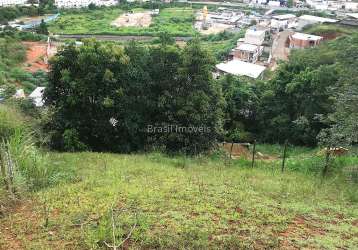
point(116, 37)
point(230, 4)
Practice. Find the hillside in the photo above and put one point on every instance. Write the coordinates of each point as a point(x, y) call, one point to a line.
point(177, 203)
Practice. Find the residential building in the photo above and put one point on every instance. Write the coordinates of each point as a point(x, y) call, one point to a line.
point(281, 22)
point(241, 68)
point(351, 6)
point(83, 3)
point(12, 2)
point(254, 36)
point(247, 52)
point(301, 40)
point(274, 4)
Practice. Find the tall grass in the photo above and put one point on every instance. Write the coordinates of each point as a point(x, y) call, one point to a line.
point(26, 166)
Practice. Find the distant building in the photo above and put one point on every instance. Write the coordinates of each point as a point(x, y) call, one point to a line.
point(256, 37)
point(247, 52)
point(83, 3)
point(282, 21)
point(350, 19)
point(12, 2)
point(241, 68)
point(309, 20)
point(351, 6)
point(301, 40)
point(274, 4)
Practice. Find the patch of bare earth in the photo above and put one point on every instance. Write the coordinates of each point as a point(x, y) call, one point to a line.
point(141, 19)
point(301, 228)
point(23, 223)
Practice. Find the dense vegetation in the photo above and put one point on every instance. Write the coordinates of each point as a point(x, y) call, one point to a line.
point(137, 88)
point(103, 97)
point(162, 202)
point(175, 21)
point(292, 105)
point(12, 12)
point(299, 103)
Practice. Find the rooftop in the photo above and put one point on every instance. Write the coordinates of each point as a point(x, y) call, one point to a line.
point(284, 17)
point(247, 47)
point(302, 36)
point(255, 32)
point(354, 15)
point(317, 19)
point(240, 68)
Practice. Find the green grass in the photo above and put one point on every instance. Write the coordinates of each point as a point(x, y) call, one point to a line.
point(185, 203)
point(175, 21)
point(330, 30)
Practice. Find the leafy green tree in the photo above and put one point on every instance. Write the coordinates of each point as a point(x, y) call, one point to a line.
point(242, 100)
point(103, 98)
point(197, 103)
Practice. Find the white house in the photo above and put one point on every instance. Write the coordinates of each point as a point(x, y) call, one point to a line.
point(247, 52)
point(37, 96)
point(274, 4)
point(282, 21)
point(12, 2)
point(256, 37)
point(241, 68)
point(83, 3)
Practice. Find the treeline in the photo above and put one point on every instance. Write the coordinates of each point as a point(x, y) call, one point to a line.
point(109, 98)
point(302, 100)
point(104, 97)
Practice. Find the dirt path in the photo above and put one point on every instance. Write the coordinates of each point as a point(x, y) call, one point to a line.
point(279, 49)
point(19, 213)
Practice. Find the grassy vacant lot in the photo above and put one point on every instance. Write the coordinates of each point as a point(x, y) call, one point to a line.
point(330, 31)
point(176, 21)
point(185, 203)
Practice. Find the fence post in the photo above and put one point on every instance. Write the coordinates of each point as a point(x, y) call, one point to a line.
point(284, 156)
point(326, 165)
point(253, 154)
point(232, 145)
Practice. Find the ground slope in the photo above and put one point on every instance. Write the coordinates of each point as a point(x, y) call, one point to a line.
point(153, 201)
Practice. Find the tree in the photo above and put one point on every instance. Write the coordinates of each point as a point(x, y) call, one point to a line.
point(42, 29)
point(104, 98)
point(196, 104)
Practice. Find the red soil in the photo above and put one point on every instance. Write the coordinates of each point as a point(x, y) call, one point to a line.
point(36, 52)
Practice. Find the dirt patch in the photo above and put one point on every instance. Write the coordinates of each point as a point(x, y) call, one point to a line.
point(25, 221)
point(140, 19)
point(21, 212)
point(242, 151)
point(300, 228)
point(36, 56)
point(237, 150)
point(215, 28)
